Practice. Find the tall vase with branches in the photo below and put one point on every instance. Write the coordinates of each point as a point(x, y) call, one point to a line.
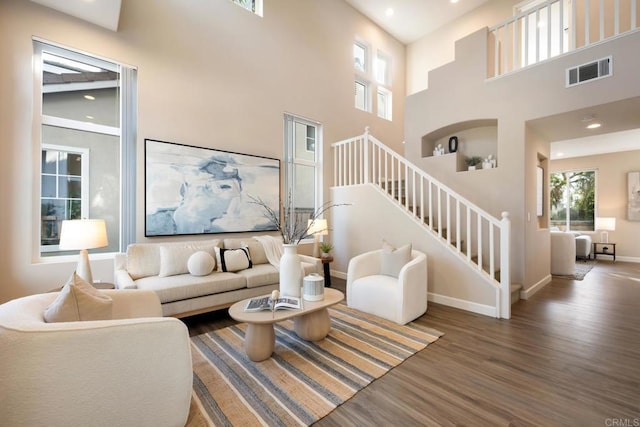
point(293, 229)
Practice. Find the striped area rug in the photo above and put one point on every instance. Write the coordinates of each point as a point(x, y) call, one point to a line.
point(302, 381)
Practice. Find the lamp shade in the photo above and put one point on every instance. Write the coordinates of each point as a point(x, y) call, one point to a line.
point(83, 234)
point(318, 227)
point(605, 224)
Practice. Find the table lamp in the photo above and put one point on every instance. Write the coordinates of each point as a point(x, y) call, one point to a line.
point(605, 224)
point(83, 234)
point(317, 227)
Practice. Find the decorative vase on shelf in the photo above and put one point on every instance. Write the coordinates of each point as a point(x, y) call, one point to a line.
point(290, 271)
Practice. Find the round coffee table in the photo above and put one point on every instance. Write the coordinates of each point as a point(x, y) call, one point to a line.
point(311, 323)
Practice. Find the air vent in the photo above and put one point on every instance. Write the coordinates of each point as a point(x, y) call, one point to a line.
point(591, 71)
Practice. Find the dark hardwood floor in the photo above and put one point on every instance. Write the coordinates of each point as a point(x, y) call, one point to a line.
point(570, 355)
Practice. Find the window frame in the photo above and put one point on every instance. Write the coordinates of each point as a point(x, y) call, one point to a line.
point(126, 132)
point(257, 8)
point(291, 161)
point(567, 198)
point(388, 113)
point(367, 94)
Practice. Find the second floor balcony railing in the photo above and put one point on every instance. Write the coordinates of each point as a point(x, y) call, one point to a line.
point(547, 29)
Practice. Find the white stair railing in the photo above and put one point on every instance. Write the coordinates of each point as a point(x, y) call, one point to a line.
point(556, 27)
point(467, 230)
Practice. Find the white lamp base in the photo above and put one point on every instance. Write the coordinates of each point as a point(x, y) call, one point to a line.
point(84, 267)
point(604, 237)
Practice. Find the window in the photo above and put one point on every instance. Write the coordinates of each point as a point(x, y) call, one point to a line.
point(362, 95)
point(372, 84)
point(64, 195)
point(87, 138)
point(360, 56)
point(382, 69)
point(303, 167)
point(573, 200)
point(254, 6)
point(384, 103)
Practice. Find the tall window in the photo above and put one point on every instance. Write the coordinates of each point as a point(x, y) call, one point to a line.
point(573, 196)
point(303, 167)
point(87, 132)
point(362, 87)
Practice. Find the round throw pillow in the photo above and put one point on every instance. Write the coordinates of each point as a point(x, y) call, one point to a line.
point(200, 263)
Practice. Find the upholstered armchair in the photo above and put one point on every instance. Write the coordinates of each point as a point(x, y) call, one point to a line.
point(134, 370)
point(400, 299)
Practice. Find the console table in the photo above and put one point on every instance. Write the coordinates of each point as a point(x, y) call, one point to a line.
point(606, 249)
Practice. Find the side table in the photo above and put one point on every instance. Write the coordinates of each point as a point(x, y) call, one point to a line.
point(325, 267)
point(607, 249)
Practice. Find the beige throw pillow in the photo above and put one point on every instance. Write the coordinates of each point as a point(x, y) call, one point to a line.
point(393, 259)
point(78, 300)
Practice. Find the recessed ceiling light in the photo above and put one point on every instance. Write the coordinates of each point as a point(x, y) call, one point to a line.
point(90, 117)
point(594, 126)
point(389, 12)
point(559, 154)
point(90, 97)
point(454, 1)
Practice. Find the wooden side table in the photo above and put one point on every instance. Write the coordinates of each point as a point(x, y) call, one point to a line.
point(607, 249)
point(325, 267)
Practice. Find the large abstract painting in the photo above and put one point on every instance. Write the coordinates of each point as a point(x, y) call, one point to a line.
point(192, 190)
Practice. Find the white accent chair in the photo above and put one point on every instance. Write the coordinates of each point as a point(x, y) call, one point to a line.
point(563, 253)
point(134, 370)
point(400, 299)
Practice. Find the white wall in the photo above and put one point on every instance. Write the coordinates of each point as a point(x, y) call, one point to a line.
point(210, 74)
point(459, 92)
point(437, 48)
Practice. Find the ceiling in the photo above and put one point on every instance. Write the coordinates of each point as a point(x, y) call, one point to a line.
point(412, 19)
point(105, 13)
point(568, 133)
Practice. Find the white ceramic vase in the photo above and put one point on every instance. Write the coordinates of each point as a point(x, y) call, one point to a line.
point(290, 272)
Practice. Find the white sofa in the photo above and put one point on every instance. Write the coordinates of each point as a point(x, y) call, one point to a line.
point(184, 294)
point(134, 370)
point(399, 299)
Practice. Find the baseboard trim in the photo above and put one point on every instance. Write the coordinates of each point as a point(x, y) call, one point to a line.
point(473, 307)
point(529, 292)
point(338, 274)
point(627, 259)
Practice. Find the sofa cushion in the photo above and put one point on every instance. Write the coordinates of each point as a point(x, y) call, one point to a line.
point(201, 263)
point(143, 259)
point(232, 260)
point(174, 259)
point(260, 275)
point(77, 301)
point(185, 286)
point(392, 259)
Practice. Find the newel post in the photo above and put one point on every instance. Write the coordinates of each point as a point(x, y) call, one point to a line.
point(366, 155)
point(505, 266)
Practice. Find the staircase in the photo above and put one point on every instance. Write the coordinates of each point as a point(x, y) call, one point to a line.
point(479, 239)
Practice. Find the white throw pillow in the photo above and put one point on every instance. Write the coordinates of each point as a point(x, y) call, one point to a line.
point(392, 259)
point(201, 263)
point(232, 260)
point(77, 301)
point(174, 259)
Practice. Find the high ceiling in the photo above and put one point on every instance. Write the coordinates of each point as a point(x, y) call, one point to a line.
point(413, 19)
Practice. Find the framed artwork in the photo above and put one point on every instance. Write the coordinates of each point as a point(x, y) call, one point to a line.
point(194, 190)
point(633, 200)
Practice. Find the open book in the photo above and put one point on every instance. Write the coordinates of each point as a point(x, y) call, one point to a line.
point(265, 303)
